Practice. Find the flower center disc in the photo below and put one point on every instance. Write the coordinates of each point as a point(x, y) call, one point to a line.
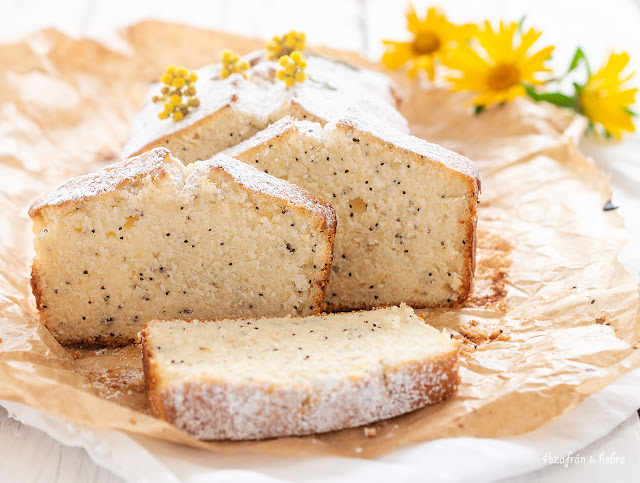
point(503, 76)
point(425, 43)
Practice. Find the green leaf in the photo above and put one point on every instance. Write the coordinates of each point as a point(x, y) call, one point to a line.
point(478, 109)
point(521, 22)
point(578, 87)
point(555, 98)
point(558, 99)
point(591, 129)
point(630, 112)
point(577, 58)
point(531, 92)
point(346, 63)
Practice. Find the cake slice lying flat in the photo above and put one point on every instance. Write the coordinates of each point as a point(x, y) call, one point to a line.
point(148, 238)
point(265, 378)
point(406, 208)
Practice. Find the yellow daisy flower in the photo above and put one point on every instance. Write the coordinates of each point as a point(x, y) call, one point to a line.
point(433, 37)
point(498, 64)
point(606, 97)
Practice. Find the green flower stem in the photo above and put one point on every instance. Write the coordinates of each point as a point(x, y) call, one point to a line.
point(323, 84)
point(347, 64)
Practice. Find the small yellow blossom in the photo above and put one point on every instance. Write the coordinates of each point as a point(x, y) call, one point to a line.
point(433, 37)
point(606, 97)
point(498, 64)
point(233, 64)
point(292, 68)
point(177, 94)
point(178, 82)
point(285, 45)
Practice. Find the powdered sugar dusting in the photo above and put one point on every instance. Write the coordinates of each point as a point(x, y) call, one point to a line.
point(233, 401)
point(256, 180)
point(159, 162)
point(263, 97)
point(110, 178)
point(355, 119)
point(359, 120)
point(211, 410)
point(275, 130)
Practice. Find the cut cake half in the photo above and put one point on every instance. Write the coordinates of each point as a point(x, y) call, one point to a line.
point(265, 378)
point(149, 238)
point(406, 208)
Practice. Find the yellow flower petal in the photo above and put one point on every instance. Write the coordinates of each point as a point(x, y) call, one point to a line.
point(178, 82)
point(397, 54)
point(413, 23)
point(496, 66)
point(283, 60)
point(606, 97)
point(424, 63)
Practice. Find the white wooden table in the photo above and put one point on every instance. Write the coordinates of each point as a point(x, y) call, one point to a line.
point(30, 455)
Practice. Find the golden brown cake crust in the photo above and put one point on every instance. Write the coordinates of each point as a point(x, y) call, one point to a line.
point(153, 392)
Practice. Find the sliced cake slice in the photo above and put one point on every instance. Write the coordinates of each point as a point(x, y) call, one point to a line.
point(265, 378)
point(406, 208)
point(149, 238)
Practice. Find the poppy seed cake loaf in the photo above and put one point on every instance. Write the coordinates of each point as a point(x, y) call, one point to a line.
point(406, 208)
point(234, 109)
point(265, 378)
point(150, 238)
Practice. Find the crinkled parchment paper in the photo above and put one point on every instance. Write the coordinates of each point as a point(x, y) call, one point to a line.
point(554, 316)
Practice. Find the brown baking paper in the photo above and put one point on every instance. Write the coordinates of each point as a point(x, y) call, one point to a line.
point(553, 317)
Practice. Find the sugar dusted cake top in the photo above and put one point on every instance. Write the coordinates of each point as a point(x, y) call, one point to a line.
point(406, 142)
point(157, 162)
point(335, 87)
point(256, 180)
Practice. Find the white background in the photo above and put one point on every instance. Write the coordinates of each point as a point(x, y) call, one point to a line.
point(608, 421)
